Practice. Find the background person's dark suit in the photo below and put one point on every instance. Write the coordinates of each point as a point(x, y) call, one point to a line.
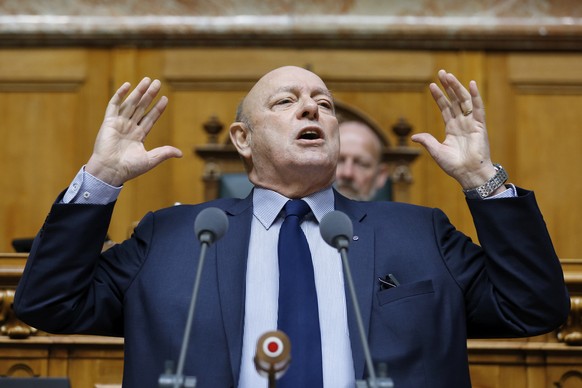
point(450, 288)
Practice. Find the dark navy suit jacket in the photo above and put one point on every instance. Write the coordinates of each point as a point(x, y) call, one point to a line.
point(450, 288)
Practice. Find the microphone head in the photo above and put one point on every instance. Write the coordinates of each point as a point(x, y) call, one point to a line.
point(210, 224)
point(273, 354)
point(336, 229)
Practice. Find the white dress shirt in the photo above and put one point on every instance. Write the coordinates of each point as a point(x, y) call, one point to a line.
point(262, 288)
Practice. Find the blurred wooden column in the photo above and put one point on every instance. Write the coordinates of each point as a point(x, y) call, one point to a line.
point(399, 159)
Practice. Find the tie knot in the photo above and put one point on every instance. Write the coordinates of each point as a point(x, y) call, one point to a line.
point(296, 207)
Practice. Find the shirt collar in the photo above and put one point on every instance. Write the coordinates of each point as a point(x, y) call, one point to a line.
point(267, 204)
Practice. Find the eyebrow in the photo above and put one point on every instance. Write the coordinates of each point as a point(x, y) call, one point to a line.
point(293, 89)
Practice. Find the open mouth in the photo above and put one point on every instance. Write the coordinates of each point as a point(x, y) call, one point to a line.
point(310, 134)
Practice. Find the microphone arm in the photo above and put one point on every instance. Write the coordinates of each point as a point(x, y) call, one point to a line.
point(373, 381)
point(178, 380)
point(367, 354)
point(210, 225)
point(336, 229)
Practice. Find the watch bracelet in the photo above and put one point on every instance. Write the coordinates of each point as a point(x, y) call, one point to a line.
point(492, 184)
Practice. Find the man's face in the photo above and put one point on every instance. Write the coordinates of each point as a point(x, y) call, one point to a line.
point(359, 172)
point(293, 129)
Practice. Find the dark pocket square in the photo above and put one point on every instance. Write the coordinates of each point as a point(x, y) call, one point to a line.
point(405, 290)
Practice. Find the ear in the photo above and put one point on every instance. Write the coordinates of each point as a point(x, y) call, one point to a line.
point(240, 135)
point(381, 176)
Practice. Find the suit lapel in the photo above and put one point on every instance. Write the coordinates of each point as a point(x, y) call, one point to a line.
point(361, 262)
point(231, 261)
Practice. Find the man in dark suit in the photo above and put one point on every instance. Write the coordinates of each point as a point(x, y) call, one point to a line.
point(443, 288)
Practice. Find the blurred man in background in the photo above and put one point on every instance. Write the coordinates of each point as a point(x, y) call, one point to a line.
point(361, 171)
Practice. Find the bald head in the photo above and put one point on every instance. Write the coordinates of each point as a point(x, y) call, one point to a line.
point(361, 133)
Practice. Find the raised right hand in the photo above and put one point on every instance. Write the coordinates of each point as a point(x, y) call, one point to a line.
point(119, 153)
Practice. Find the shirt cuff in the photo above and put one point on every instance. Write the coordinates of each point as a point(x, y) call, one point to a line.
point(87, 189)
point(509, 192)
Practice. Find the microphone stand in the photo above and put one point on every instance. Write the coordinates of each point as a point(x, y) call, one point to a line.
point(272, 381)
point(178, 380)
point(372, 382)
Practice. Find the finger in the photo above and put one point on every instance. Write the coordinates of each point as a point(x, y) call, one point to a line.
point(132, 101)
point(428, 141)
point(148, 121)
point(442, 75)
point(145, 101)
point(462, 95)
point(115, 101)
point(477, 101)
point(447, 83)
point(442, 102)
point(160, 154)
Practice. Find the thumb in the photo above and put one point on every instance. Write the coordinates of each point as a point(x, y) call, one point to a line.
point(160, 154)
point(427, 140)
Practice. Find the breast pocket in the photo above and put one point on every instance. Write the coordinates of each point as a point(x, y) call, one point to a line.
point(405, 290)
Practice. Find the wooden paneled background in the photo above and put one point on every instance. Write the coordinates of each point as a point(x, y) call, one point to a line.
point(52, 102)
point(61, 61)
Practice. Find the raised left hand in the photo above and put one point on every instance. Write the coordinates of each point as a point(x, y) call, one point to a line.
point(464, 154)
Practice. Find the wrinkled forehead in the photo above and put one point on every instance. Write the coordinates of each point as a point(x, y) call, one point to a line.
point(287, 78)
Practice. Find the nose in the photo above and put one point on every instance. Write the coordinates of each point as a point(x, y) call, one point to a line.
point(310, 109)
point(345, 169)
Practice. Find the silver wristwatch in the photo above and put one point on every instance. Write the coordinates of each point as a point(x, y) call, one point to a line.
point(490, 186)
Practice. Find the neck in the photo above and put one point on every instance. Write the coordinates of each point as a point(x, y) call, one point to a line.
point(293, 189)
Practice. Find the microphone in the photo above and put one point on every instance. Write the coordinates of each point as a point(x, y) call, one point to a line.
point(273, 355)
point(337, 230)
point(210, 225)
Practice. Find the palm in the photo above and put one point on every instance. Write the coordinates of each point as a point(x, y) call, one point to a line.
point(464, 153)
point(464, 145)
point(119, 153)
point(121, 146)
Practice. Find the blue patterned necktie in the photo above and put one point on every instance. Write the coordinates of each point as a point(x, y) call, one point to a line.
point(298, 311)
